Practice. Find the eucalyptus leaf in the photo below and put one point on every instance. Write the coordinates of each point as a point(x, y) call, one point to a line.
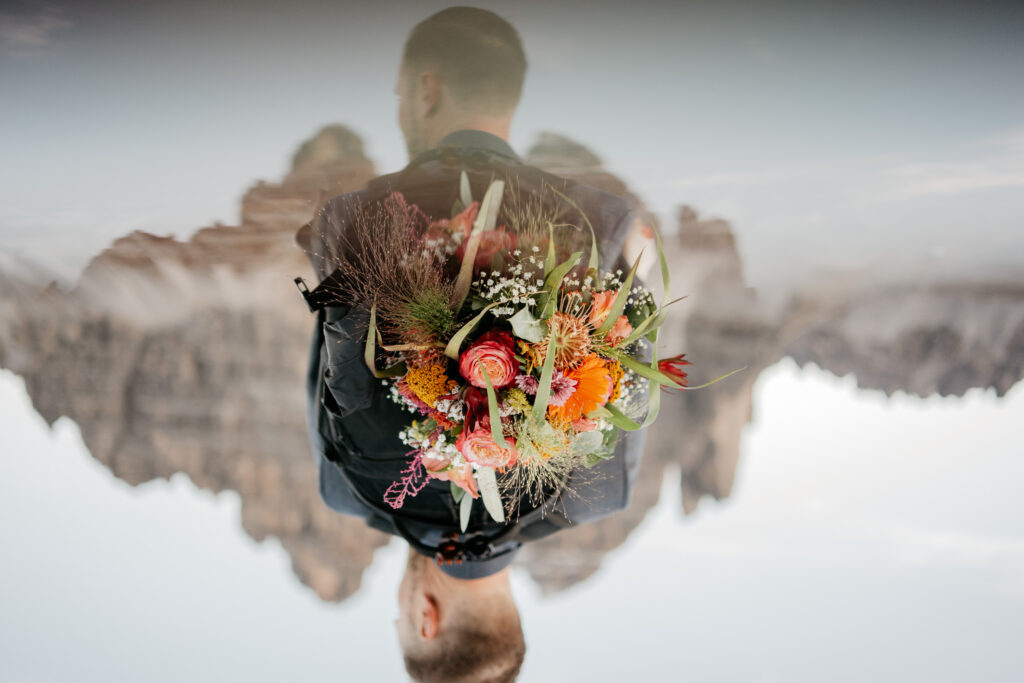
point(586, 443)
point(465, 195)
point(457, 492)
point(465, 507)
point(488, 486)
point(526, 325)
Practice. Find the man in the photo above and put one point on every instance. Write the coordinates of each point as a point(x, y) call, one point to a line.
point(458, 85)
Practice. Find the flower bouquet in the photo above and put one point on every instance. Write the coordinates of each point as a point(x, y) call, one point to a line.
point(520, 359)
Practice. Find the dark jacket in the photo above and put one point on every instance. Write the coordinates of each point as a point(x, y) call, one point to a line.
point(354, 424)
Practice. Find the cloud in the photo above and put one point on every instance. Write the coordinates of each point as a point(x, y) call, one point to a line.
point(31, 33)
point(955, 178)
point(997, 163)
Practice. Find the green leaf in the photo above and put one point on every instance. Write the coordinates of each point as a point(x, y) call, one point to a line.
point(717, 379)
point(639, 368)
point(594, 258)
point(586, 443)
point(492, 411)
point(455, 343)
point(650, 323)
point(547, 302)
point(540, 401)
point(465, 195)
point(527, 326)
point(457, 492)
point(615, 417)
point(549, 262)
point(485, 220)
point(665, 279)
point(465, 506)
point(488, 486)
point(620, 300)
point(370, 351)
point(654, 403)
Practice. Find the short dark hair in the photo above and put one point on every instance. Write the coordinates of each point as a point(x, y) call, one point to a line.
point(479, 651)
point(476, 53)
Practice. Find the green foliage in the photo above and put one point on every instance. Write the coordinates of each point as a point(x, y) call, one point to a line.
point(429, 314)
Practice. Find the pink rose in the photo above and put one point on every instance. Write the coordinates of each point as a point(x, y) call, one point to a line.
point(435, 462)
point(620, 330)
point(494, 356)
point(478, 446)
point(601, 306)
point(491, 242)
point(462, 477)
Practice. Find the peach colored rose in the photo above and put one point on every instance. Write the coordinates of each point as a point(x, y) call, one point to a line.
point(493, 356)
point(601, 306)
point(462, 477)
point(620, 330)
point(435, 462)
point(478, 446)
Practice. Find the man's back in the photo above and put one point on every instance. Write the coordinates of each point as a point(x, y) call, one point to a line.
point(354, 424)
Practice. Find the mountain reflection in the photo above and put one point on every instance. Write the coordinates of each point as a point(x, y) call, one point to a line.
point(190, 357)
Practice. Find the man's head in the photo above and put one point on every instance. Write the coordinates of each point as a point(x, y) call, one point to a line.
point(458, 630)
point(461, 68)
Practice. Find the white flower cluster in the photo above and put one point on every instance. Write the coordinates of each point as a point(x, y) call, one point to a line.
point(452, 408)
point(442, 247)
point(395, 396)
point(518, 287)
point(612, 280)
point(634, 395)
point(638, 296)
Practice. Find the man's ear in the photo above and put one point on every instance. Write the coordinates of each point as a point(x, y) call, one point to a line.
point(430, 618)
point(430, 92)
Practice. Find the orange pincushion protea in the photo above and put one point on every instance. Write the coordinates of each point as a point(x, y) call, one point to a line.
point(594, 387)
point(572, 341)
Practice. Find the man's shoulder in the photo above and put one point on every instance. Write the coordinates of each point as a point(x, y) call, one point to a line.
point(528, 178)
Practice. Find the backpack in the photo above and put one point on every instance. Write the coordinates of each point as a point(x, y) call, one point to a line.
point(353, 422)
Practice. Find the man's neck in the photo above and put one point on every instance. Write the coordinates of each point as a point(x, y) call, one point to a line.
point(498, 126)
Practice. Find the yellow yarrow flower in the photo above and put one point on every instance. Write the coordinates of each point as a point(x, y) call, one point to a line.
point(430, 383)
point(616, 372)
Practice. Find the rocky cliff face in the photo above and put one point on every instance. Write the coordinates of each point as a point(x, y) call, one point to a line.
point(190, 357)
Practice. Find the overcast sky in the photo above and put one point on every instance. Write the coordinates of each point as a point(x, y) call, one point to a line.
point(886, 129)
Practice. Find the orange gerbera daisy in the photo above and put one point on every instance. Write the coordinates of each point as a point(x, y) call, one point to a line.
point(593, 389)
